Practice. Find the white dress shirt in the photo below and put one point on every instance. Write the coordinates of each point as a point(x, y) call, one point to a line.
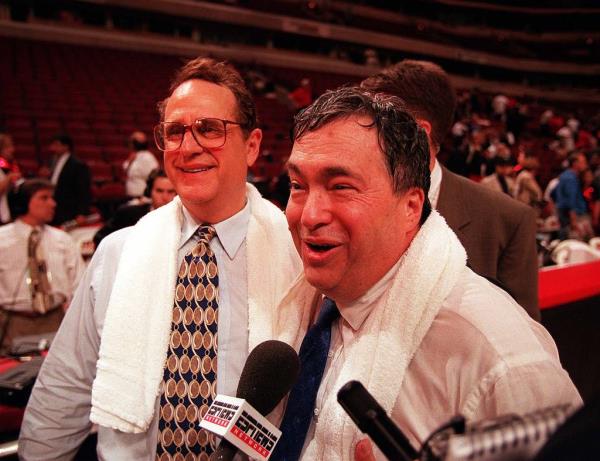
point(434, 187)
point(84, 322)
point(58, 167)
point(481, 358)
point(4, 209)
point(137, 172)
point(229, 247)
point(62, 256)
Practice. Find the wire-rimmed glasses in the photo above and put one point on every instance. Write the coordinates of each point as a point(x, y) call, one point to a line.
point(209, 133)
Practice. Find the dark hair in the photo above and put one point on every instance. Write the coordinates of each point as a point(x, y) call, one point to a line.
point(155, 173)
point(503, 161)
point(574, 157)
point(138, 145)
point(220, 73)
point(64, 139)
point(402, 141)
point(25, 191)
point(425, 89)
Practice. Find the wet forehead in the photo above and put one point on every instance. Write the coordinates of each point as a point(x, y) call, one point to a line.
point(343, 147)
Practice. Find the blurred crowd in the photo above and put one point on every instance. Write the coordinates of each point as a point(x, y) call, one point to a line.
point(545, 157)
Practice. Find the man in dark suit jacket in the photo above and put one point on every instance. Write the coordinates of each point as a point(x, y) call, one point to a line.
point(72, 179)
point(497, 232)
point(159, 191)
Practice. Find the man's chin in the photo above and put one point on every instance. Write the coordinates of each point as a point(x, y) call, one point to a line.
point(194, 197)
point(319, 280)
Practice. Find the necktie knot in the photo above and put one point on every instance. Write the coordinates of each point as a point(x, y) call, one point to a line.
point(329, 313)
point(34, 240)
point(205, 233)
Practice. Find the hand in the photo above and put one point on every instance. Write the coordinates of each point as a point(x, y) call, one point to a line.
point(364, 451)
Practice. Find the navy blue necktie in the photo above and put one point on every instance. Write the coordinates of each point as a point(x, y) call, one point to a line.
point(301, 403)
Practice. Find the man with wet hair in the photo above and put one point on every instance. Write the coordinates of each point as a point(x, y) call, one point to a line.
point(386, 297)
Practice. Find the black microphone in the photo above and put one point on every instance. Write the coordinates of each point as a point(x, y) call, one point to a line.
point(269, 373)
point(371, 419)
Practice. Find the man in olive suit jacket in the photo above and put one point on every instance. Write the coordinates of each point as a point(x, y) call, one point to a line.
point(497, 232)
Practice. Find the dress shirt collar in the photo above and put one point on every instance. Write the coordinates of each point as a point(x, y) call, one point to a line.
point(25, 229)
point(58, 167)
point(357, 312)
point(436, 181)
point(231, 232)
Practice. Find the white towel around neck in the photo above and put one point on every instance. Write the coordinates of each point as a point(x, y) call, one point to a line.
point(137, 325)
point(390, 335)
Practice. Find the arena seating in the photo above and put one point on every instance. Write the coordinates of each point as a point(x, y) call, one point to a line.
point(99, 97)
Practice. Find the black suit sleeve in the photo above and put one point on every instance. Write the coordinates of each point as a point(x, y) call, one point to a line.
point(83, 189)
point(125, 216)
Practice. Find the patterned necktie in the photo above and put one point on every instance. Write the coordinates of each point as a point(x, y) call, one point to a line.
point(301, 403)
point(41, 301)
point(190, 377)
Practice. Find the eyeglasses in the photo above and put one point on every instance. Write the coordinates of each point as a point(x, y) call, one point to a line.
point(209, 133)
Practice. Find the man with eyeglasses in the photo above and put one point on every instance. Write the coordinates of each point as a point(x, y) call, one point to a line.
point(137, 351)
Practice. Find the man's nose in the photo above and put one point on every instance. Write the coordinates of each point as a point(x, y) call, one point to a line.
point(317, 209)
point(188, 143)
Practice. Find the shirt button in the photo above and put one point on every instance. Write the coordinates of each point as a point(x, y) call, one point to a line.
point(330, 354)
point(316, 412)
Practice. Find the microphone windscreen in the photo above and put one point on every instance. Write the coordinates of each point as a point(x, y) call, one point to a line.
point(359, 404)
point(270, 372)
point(372, 419)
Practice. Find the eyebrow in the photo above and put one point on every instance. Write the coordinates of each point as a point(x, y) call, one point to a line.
point(326, 173)
point(292, 168)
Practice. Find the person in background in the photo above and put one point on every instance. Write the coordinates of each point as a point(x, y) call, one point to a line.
point(40, 266)
point(159, 191)
point(570, 204)
point(497, 231)
point(590, 195)
point(387, 293)
point(9, 175)
point(501, 180)
point(527, 189)
point(301, 96)
point(139, 165)
point(595, 202)
point(72, 180)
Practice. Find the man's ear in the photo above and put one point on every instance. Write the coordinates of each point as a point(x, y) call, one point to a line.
point(253, 146)
point(432, 149)
point(425, 125)
point(415, 198)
